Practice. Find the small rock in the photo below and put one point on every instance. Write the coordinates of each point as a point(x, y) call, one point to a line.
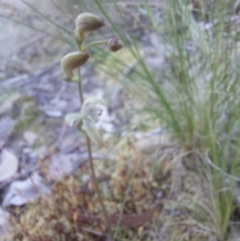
point(30, 137)
point(53, 113)
point(59, 103)
point(6, 128)
point(8, 165)
point(21, 192)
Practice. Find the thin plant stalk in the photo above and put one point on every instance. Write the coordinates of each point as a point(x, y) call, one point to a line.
point(96, 43)
point(80, 91)
point(89, 149)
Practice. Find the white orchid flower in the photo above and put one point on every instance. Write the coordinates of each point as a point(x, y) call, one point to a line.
point(89, 109)
point(71, 118)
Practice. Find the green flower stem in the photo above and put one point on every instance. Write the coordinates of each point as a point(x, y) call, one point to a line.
point(99, 42)
point(80, 86)
point(89, 149)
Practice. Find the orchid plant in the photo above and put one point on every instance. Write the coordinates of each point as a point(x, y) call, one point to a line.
point(86, 119)
point(90, 107)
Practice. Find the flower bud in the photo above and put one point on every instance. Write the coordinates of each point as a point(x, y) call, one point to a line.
point(115, 44)
point(72, 61)
point(86, 22)
point(80, 36)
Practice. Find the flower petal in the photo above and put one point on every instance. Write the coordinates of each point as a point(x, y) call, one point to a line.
point(95, 100)
point(92, 132)
point(72, 117)
point(90, 104)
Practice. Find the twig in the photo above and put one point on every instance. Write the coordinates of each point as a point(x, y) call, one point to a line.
point(14, 80)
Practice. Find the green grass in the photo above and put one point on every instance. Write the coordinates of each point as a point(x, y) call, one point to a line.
point(196, 97)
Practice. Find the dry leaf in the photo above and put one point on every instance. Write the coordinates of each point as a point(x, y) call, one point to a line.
point(127, 220)
point(137, 220)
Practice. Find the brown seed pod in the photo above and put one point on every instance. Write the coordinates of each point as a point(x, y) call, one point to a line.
point(115, 44)
point(72, 61)
point(87, 22)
